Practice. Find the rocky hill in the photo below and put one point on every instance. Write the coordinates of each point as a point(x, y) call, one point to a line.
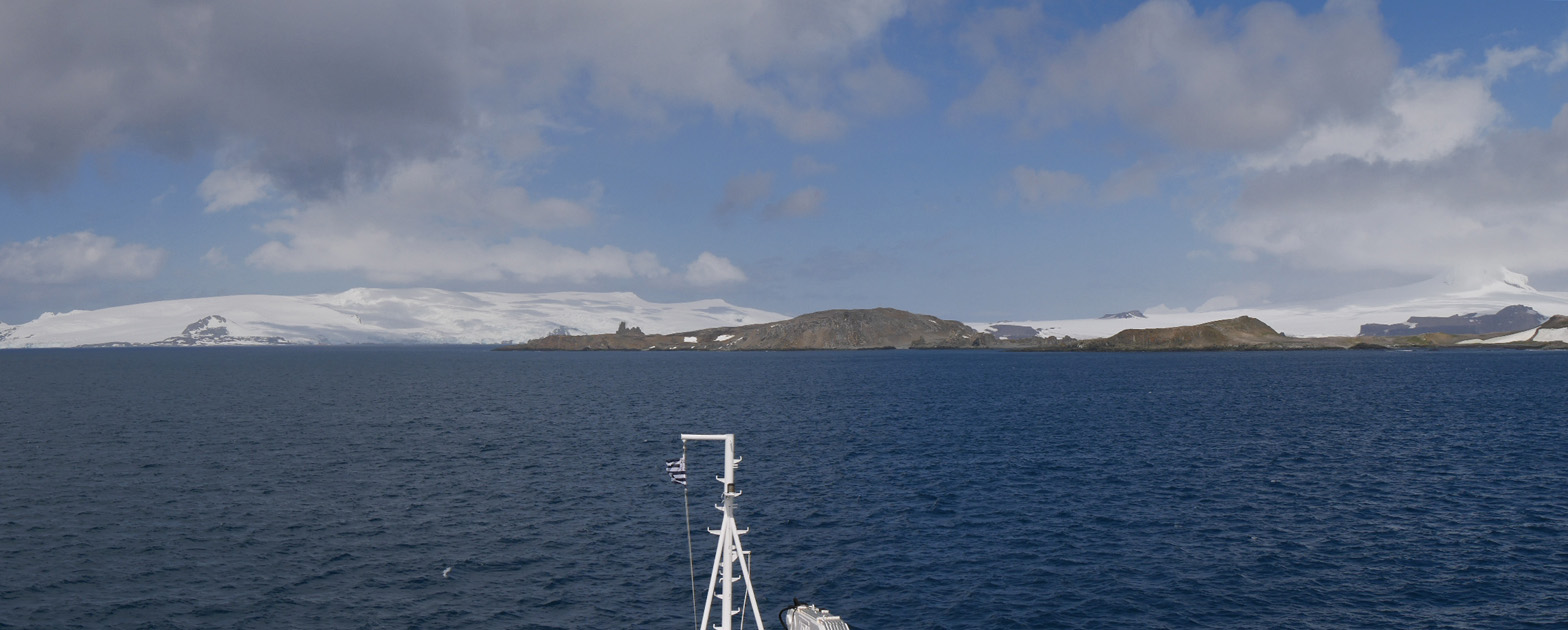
point(1553, 333)
point(845, 329)
point(1237, 333)
point(890, 328)
point(1240, 333)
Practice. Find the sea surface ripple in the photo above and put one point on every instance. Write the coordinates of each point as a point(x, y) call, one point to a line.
point(330, 488)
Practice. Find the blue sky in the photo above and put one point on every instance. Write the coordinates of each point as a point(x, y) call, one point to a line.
point(978, 161)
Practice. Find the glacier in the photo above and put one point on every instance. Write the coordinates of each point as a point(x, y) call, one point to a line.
point(1483, 290)
point(371, 316)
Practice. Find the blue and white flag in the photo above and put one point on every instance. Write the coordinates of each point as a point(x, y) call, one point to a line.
point(677, 469)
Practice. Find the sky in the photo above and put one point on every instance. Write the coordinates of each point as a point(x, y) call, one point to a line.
point(976, 161)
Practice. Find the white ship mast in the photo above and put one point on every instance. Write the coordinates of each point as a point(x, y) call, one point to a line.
point(729, 552)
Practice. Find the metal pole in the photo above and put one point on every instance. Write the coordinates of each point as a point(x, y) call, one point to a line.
point(729, 550)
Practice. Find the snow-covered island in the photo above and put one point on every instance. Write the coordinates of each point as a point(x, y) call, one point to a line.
point(1481, 291)
point(426, 316)
point(370, 316)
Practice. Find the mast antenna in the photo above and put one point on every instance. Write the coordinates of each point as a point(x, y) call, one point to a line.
point(729, 553)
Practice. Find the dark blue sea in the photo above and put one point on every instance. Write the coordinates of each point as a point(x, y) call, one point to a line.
point(330, 488)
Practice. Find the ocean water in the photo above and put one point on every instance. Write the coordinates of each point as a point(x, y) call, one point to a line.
point(330, 488)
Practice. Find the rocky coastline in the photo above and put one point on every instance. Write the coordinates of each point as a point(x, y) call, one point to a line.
point(887, 328)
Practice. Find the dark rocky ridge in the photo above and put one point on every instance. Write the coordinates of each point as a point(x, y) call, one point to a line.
point(856, 329)
point(207, 331)
point(891, 328)
point(1510, 319)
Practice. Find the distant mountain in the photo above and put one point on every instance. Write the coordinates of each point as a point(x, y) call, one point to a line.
point(1510, 319)
point(857, 329)
point(1124, 315)
point(369, 316)
point(1473, 291)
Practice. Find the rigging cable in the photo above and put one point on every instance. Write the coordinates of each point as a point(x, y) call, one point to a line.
point(743, 606)
point(691, 561)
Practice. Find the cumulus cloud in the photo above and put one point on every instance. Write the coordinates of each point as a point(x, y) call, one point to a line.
point(1425, 115)
point(324, 94)
point(1434, 182)
point(451, 218)
point(772, 60)
point(229, 188)
point(1559, 59)
point(77, 257)
point(398, 135)
point(1207, 81)
point(710, 270)
point(1043, 188)
point(1502, 200)
point(1337, 157)
point(801, 203)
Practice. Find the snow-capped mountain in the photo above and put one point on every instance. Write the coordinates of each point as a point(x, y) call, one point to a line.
point(361, 316)
point(1476, 291)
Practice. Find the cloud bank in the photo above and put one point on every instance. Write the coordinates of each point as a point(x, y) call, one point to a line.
point(317, 95)
point(1208, 81)
point(1336, 158)
point(77, 257)
point(399, 135)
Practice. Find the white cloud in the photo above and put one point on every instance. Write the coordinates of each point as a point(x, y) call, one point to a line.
point(710, 270)
point(235, 187)
point(1043, 188)
point(1432, 182)
point(1500, 61)
point(215, 257)
point(1559, 58)
point(327, 94)
point(443, 219)
point(1501, 200)
point(769, 59)
point(1208, 81)
point(77, 257)
point(459, 193)
point(1425, 116)
point(801, 203)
